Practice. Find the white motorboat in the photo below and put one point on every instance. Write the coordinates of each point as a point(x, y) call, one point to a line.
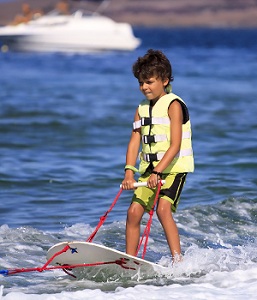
point(69, 33)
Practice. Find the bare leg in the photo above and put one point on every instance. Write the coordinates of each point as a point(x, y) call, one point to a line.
point(170, 228)
point(134, 216)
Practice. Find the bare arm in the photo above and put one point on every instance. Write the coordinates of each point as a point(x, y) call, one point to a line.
point(131, 156)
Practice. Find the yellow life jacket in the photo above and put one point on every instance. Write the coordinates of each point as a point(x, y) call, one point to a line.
point(155, 132)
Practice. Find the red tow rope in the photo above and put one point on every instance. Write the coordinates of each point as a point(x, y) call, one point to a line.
point(38, 269)
point(120, 262)
point(103, 218)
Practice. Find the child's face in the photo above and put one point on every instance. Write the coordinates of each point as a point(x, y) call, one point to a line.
point(153, 88)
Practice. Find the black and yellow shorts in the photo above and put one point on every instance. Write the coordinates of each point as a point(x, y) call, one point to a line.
point(170, 191)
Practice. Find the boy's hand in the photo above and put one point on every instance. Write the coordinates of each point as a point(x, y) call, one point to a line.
point(128, 184)
point(153, 181)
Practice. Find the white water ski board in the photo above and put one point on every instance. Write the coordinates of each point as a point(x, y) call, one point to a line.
point(101, 261)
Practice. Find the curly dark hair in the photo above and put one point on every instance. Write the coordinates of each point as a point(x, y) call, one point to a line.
point(153, 63)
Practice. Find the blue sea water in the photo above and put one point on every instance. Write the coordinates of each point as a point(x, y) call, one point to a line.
point(65, 121)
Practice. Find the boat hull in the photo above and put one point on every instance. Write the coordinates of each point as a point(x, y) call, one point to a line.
point(69, 34)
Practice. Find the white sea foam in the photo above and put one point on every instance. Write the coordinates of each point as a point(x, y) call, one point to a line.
point(236, 285)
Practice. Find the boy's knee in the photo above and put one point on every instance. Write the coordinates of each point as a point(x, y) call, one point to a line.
point(130, 212)
point(159, 212)
point(134, 212)
point(162, 211)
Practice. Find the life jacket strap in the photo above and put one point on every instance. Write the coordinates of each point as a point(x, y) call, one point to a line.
point(151, 121)
point(148, 139)
point(150, 157)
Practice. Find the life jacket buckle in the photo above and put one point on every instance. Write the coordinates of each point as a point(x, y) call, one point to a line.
point(148, 139)
point(146, 121)
point(150, 157)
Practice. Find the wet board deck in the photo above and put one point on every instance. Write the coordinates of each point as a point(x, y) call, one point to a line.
point(99, 261)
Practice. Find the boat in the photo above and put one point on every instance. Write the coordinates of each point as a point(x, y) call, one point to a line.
point(77, 32)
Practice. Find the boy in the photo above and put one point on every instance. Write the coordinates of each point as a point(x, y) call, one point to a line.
point(162, 125)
